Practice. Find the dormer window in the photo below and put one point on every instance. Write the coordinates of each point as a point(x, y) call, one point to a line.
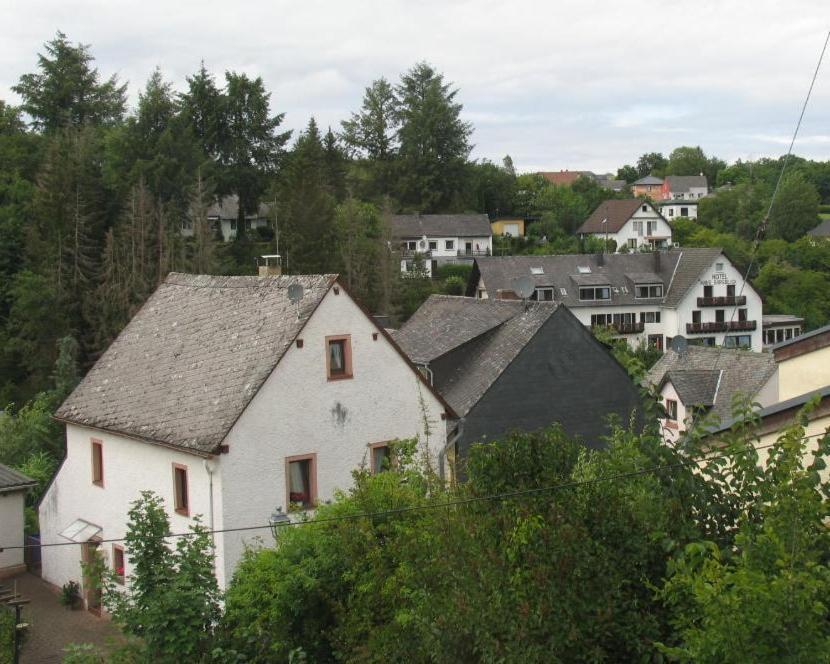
point(591, 293)
point(648, 291)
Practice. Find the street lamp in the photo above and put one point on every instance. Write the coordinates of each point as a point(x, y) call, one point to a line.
point(278, 520)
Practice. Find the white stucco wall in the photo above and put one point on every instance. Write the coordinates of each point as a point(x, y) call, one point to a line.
point(674, 210)
point(11, 528)
point(130, 466)
point(628, 232)
point(299, 411)
point(804, 373)
point(671, 430)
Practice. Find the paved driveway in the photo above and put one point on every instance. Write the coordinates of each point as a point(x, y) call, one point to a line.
point(51, 626)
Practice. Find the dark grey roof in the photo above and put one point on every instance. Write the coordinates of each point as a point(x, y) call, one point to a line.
point(649, 179)
point(12, 480)
point(677, 270)
point(822, 230)
point(742, 372)
point(781, 406)
point(440, 225)
point(613, 185)
point(500, 330)
point(678, 201)
point(779, 319)
point(683, 183)
point(193, 357)
point(695, 387)
point(228, 208)
point(802, 337)
point(616, 211)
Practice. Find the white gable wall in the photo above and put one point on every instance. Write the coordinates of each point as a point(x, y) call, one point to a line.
point(299, 411)
point(11, 533)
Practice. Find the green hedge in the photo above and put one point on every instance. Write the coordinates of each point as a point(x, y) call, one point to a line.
point(7, 626)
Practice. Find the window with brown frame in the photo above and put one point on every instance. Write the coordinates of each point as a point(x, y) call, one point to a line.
point(118, 563)
point(339, 357)
point(97, 462)
point(181, 499)
point(301, 481)
point(380, 457)
point(671, 410)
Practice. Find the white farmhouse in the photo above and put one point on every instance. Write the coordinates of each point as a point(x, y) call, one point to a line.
point(632, 223)
point(13, 488)
point(644, 297)
point(230, 397)
point(437, 239)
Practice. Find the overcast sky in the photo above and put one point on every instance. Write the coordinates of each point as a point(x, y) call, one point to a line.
point(576, 84)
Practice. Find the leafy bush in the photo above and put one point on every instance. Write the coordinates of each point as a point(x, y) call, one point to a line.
point(70, 594)
point(460, 270)
point(454, 286)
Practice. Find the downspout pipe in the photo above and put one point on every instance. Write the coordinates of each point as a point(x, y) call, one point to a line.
point(210, 468)
point(451, 441)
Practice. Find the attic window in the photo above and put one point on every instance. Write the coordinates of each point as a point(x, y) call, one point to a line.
point(339, 357)
point(583, 269)
point(537, 270)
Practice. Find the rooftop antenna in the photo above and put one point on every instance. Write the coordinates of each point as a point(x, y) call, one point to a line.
point(524, 287)
point(295, 294)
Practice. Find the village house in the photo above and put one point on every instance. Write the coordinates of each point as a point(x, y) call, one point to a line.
point(230, 397)
point(781, 327)
point(632, 224)
point(650, 186)
point(509, 227)
point(223, 216)
point(13, 488)
point(696, 383)
point(436, 239)
point(684, 187)
point(803, 362)
point(506, 365)
point(644, 297)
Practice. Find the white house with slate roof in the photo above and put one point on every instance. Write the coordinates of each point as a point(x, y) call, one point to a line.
point(645, 297)
point(229, 400)
point(441, 238)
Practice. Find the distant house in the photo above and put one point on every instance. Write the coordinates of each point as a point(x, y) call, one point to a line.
point(632, 223)
point(822, 231)
point(13, 489)
point(609, 182)
point(509, 227)
point(223, 217)
point(697, 382)
point(644, 297)
point(650, 186)
point(230, 397)
point(436, 239)
point(684, 187)
point(504, 365)
point(781, 327)
point(565, 178)
point(675, 209)
point(803, 362)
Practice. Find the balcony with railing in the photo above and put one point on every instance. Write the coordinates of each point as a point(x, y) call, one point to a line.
point(743, 325)
point(723, 301)
point(721, 326)
point(411, 253)
point(472, 253)
point(628, 328)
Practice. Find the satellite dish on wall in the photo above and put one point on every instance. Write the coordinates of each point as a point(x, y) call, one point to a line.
point(524, 287)
point(295, 293)
point(679, 344)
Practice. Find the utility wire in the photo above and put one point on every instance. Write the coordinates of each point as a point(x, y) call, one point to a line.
point(454, 503)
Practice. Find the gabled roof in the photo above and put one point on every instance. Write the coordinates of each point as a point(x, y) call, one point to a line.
point(684, 183)
point(440, 225)
point(741, 371)
point(564, 177)
point(822, 230)
point(695, 387)
point(13, 480)
point(498, 330)
point(616, 211)
point(648, 179)
point(677, 270)
point(189, 362)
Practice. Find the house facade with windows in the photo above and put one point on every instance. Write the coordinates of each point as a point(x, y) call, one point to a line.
point(632, 224)
point(223, 217)
point(684, 187)
point(676, 209)
point(13, 489)
point(781, 327)
point(230, 397)
point(505, 365)
point(644, 297)
point(649, 185)
point(435, 239)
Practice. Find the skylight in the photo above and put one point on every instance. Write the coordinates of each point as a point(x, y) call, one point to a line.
point(583, 269)
point(536, 270)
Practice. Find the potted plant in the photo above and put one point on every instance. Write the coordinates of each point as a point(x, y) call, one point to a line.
point(70, 596)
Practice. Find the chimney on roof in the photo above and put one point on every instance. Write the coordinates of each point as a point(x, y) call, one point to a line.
point(270, 265)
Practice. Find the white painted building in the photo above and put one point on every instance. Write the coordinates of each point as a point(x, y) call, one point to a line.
point(645, 297)
point(436, 239)
point(228, 398)
point(674, 209)
point(632, 224)
point(13, 488)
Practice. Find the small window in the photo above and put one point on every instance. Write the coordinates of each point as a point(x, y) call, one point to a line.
point(671, 212)
point(671, 410)
point(645, 207)
point(97, 462)
point(301, 481)
point(433, 245)
point(720, 315)
point(742, 316)
point(544, 294)
point(632, 243)
point(339, 357)
point(381, 457)
point(118, 563)
point(707, 291)
point(718, 267)
point(684, 212)
point(696, 316)
point(449, 244)
point(730, 291)
point(181, 499)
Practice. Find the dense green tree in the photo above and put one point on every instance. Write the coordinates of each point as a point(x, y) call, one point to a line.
point(795, 210)
point(789, 290)
point(493, 188)
point(738, 210)
point(334, 165)
point(434, 141)
point(202, 109)
point(651, 163)
point(628, 173)
point(688, 160)
point(67, 91)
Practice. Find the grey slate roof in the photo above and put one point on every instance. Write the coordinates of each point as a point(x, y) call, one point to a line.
point(440, 225)
point(742, 371)
point(822, 230)
point(684, 183)
point(649, 179)
point(695, 387)
point(12, 480)
point(193, 357)
point(498, 330)
point(802, 337)
point(677, 270)
point(616, 211)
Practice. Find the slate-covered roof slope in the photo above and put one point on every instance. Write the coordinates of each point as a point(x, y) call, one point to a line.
point(742, 371)
point(683, 183)
point(193, 357)
point(12, 480)
point(695, 387)
point(677, 270)
point(822, 230)
point(648, 179)
point(440, 225)
point(616, 211)
point(445, 322)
